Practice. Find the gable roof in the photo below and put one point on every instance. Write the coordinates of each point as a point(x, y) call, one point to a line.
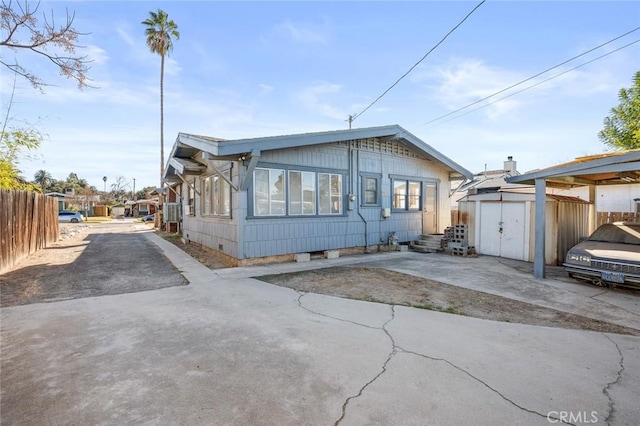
point(621, 167)
point(188, 145)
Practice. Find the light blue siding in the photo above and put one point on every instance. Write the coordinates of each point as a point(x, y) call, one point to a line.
point(245, 237)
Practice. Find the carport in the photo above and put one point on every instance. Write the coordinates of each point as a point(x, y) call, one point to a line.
point(614, 168)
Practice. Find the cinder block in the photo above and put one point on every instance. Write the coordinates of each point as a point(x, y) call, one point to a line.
point(331, 254)
point(302, 257)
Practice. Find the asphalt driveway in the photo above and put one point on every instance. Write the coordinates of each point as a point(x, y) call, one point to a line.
point(110, 258)
point(228, 349)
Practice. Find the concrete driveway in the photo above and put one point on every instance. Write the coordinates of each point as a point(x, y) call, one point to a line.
point(228, 349)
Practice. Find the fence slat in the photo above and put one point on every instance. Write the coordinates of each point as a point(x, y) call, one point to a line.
point(610, 217)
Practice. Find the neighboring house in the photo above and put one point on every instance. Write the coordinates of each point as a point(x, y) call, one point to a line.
point(305, 193)
point(140, 207)
point(612, 198)
point(62, 199)
point(71, 200)
point(486, 181)
point(146, 207)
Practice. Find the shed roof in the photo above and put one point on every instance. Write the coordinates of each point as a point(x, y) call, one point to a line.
point(507, 195)
point(188, 145)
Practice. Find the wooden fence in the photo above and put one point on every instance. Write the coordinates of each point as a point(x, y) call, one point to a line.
point(28, 222)
point(609, 217)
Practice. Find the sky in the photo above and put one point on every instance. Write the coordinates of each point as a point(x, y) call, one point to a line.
point(251, 69)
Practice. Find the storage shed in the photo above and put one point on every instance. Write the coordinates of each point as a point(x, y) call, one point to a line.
point(503, 224)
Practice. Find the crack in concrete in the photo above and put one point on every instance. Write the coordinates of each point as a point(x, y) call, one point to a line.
point(302, 294)
point(485, 384)
point(395, 348)
point(605, 390)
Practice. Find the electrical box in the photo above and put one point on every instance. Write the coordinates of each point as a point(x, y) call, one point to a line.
point(386, 212)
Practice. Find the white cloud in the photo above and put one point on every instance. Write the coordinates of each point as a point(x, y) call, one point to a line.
point(463, 81)
point(125, 36)
point(265, 89)
point(95, 54)
point(314, 98)
point(171, 66)
point(304, 33)
point(298, 33)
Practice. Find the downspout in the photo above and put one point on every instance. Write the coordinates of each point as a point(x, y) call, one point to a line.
point(366, 235)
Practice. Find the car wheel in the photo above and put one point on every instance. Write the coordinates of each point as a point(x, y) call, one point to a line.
point(74, 220)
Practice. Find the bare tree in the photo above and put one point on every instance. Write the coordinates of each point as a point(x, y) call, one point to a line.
point(21, 29)
point(120, 188)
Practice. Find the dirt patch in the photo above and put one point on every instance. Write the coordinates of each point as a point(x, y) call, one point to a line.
point(207, 257)
point(384, 286)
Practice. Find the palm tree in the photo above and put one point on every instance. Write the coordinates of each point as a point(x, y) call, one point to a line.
point(43, 178)
point(160, 32)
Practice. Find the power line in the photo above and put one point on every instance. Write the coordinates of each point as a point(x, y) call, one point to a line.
point(536, 75)
point(353, 117)
point(538, 83)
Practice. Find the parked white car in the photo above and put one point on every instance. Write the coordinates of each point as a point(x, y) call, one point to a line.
point(610, 256)
point(69, 216)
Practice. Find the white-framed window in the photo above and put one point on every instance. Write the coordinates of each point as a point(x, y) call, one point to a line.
point(269, 192)
point(190, 209)
point(330, 193)
point(407, 194)
point(292, 192)
point(302, 193)
point(216, 195)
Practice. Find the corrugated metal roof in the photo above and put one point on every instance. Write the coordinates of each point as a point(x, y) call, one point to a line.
point(620, 167)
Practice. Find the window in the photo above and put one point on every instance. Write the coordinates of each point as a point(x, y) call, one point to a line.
point(206, 195)
point(225, 195)
point(330, 199)
point(407, 194)
point(269, 192)
point(190, 207)
point(280, 192)
point(302, 193)
point(216, 195)
point(370, 189)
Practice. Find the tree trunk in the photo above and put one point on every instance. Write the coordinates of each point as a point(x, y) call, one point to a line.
point(161, 118)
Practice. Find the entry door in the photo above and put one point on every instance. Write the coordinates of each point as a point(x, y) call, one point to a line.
point(430, 209)
point(502, 230)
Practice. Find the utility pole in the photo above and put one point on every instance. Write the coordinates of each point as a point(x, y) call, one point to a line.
point(134, 188)
point(350, 120)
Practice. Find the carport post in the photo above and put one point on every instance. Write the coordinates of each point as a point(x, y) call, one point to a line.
point(539, 244)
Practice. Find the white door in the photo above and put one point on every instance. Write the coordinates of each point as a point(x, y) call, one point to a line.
point(490, 218)
point(512, 236)
point(502, 230)
point(430, 209)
